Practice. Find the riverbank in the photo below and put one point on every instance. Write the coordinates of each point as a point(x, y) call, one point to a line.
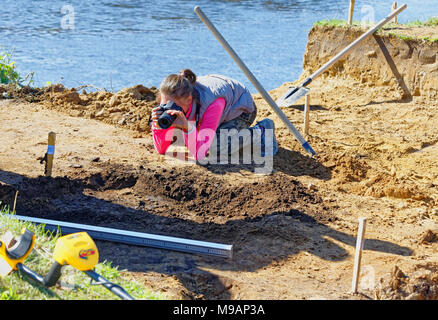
point(372, 125)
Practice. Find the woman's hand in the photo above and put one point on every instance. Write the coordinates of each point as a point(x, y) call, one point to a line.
point(180, 121)
point(155, 114)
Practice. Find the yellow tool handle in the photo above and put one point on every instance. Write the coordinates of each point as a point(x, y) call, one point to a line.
point(19, 251)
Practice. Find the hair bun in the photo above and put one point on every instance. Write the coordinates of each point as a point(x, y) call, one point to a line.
point(189, 75)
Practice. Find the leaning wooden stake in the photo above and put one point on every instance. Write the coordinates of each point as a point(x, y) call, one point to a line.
point(358, 256)
point(350, 12)
point(306, 114)
point(50, 154)
point(15, 201)
point(394, 7)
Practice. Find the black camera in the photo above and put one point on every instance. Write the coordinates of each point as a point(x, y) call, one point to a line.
point(166, 120)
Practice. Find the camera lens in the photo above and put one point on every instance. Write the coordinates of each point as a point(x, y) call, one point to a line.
point(165, 121)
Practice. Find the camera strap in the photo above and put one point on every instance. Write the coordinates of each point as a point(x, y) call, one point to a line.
point(196, 96)
point(197, 114)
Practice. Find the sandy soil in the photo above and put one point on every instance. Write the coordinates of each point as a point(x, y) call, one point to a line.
point(293, 231)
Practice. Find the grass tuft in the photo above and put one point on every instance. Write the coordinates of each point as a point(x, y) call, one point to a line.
point(431, 22)
point(9, 72)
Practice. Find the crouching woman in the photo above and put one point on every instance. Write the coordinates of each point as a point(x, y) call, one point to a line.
point(211, 111)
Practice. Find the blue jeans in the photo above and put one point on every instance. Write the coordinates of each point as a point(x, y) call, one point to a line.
point(244, 121)
point(235, 127)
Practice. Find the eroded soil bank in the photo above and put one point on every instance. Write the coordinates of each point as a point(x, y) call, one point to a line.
point(373, 123)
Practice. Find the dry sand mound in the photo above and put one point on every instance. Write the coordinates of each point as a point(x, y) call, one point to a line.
point(374, 113)
point(407, 64)
point(129, 108)
point(417, 282)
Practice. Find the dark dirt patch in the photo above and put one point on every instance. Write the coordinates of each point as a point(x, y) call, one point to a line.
point(210, 196)
point(265, 220)
point(184, 192)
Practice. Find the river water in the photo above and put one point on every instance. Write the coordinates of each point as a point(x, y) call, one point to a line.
point(114, 44)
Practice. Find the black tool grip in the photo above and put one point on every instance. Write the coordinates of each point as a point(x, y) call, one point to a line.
point(30, 273)
point(22, 247)
point(114, 288)
point(54, 274)
point(307, 82)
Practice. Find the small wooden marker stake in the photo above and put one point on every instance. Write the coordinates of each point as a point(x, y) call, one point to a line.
point(394, 7)
point(350, 12)
point(306, 114)
point(50, 154)
point(358, 256)
point(15, 201)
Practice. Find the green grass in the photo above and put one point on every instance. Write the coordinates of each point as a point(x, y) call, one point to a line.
point(339, 23)
point(433, 21)
point(75, 284)
point(401, 36)
point(331, 23)
point(8, 69)
point(9, 72)
point(431, 40)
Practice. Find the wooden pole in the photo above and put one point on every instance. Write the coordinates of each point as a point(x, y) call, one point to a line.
point(394, 7)
point(306, 114)
point(350, 12)
point(50, 154)
point(15, 201)
point(358, 255)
